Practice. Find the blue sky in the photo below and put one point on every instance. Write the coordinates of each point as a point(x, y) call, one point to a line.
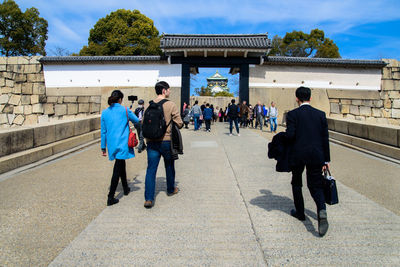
point(363, 29)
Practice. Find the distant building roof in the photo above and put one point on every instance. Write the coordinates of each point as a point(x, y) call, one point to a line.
point(99, 59)
point(217, 76)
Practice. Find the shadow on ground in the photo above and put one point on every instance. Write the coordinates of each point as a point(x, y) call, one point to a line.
point(269, 202)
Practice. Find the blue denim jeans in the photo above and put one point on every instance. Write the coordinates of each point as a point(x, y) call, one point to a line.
point(154, 152)
point(196, 118)
point(273, 123)
point(231, 121)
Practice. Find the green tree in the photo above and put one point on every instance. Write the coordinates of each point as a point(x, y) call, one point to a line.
point(203, 91)
point(21, 33)
point(223, 93)
point(300, 44)
point(123, 32)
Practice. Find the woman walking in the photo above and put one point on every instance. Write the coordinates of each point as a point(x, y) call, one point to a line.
point(114, 135)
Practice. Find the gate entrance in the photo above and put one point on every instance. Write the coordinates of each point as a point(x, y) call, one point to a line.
point(234, 51)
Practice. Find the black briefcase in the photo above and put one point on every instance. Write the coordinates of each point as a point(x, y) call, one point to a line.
point(330, 190)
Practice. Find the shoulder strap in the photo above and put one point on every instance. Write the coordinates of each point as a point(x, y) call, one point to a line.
point(163, 101)
point(127, 117)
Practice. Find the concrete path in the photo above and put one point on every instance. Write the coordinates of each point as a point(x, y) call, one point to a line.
point(233, 210)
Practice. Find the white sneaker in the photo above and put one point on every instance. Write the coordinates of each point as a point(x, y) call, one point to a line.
point(230, 134)
point(238, 134)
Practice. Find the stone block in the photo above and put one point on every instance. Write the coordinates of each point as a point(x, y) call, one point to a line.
point(365, 111)
point(19, 109)
point(335, 108)
point(27, 109)
point(95, 99)
point(8, 109)
point(81, 126)
point(60, 109)
point(390, 62)
point(43, 119)
point(95, 124)
point(376, 112)
point(34, 99)
point(394, 94)
point(10, 83)
point(83, 99)
point(371, 120)
point(3, 68)
point(345, 101)
point(60, 100)
point(31, 119)
point(1, 108)
point(3, 60)
point(396, 113)
point(52, 99)
point(387, 73)
point(17, 88)
point(27, 88)
point(3, 119)
point(333, 100)
point(39, 89)
point(342, 126)
point(395, 122)
point(2, 82)
point(94, 108)
point(349, 117)
point(368, 103)
point(336, 116)
point(378, 103)
point(382, 121)
point(19, 120)
point(44, 135)
point(84, 108)
point(4, 99)
point(387, 113)
point(20, 78)
point(11, 118)
point(389, 85)
point(70, 99)
point(42, 99)
point(6, 90)
point(64, 130)
point(17, 140)
point(384, 135)
point(15, 100)
point(354, 110)
point(72, 109)
point(345, 109)
point(396, 103)
point(9, 74)
point(33, 68)
point(360, 118)
point(48, 109)
point(356, 102)
point(37, 108)
point(396, 75)
point(35, 60)
point(387, 103)
point(25, 99)
point(36, 77)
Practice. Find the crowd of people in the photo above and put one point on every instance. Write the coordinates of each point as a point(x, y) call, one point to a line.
point(242, 115)
point(304, 144)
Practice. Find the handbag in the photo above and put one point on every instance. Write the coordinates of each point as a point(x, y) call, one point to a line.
point(132, 140)
point(330, 189)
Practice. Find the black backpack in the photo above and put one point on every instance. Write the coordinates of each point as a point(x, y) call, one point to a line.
point(232, 111)
point(154, 125)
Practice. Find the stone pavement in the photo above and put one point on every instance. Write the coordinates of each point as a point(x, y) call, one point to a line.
point(233, 210)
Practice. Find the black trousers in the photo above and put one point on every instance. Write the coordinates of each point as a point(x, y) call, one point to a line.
point(314, 184)
point(119, 171)
point(208, 123)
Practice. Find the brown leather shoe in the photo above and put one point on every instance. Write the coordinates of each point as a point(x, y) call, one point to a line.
point(148, 204)
point(176, 190)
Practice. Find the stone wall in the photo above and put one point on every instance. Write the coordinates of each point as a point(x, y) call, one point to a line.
point(380, 107)
point(23, 99)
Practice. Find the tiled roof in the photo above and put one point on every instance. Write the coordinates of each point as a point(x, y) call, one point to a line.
point(323, 61)
point(217, 76)
point(249, 41)
point(94, 59)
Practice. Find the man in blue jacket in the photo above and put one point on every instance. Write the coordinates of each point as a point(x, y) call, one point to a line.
point(207, 115)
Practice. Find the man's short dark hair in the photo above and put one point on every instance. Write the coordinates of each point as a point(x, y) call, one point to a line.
point(196, 102)
point(233, 101)
point(207, 105)
point(303, 93)
point(160, 86)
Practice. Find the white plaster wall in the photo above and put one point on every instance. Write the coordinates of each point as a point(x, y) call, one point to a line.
point(116, 75)
point(278, 76)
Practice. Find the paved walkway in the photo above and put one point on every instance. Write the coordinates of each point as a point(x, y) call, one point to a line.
point(233, 210)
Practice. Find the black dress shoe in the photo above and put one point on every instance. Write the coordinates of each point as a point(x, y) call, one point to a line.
point(126, 191)
point(112, 201)
point(297, 216)
point(322, 222)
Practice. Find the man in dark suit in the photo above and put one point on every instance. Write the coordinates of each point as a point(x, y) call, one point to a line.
point(307, 132)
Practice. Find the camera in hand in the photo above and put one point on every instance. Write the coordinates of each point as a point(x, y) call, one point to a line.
point(132, 98)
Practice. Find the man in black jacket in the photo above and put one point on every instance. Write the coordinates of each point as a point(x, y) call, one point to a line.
point(307, 131)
